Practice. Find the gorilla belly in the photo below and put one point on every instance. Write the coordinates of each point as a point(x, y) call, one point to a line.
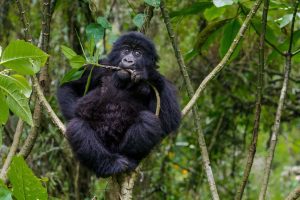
point(113, 120)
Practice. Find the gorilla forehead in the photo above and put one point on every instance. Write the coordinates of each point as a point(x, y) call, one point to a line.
point(135, 39)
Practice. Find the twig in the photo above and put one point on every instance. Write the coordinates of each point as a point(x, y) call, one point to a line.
point(296, 52)
point(276, 125)
point(24, 21)
point(215, 133)
point(190, 90)
point(13, 149)
point(225, 59)
point(260, 80)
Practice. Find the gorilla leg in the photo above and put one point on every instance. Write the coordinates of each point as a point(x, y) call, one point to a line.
point(91, 152)
point(142, 136)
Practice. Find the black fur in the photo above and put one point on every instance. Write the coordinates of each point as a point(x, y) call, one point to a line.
point(113, 127)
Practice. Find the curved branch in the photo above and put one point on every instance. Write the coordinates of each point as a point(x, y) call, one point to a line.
point(224, 61)
point(12, 150)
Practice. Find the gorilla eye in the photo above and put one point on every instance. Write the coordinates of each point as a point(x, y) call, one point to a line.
point(137, 53)
point(126, 51)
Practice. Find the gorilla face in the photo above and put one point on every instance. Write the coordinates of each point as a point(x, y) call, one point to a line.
point(133, 51)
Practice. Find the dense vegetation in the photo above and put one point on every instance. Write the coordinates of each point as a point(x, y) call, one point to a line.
point(245, 56)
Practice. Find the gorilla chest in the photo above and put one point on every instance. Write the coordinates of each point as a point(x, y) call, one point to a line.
point(116, 112)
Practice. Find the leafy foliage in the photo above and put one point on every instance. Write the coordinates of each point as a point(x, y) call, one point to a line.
point(25, 184)
point(10, 91)
point(139, 19)
point(23, 57)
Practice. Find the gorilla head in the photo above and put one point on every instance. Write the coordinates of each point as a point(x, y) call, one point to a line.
point(133, 51)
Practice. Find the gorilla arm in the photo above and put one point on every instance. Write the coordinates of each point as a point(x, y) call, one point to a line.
point(70, 92)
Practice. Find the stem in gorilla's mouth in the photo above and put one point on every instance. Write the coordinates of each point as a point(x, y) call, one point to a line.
point(131, 71)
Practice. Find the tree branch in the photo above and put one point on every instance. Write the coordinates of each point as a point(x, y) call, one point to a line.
point(260, 81)
point(12, 150)
point(190, 90)
point(224, 61)
point(276, 125)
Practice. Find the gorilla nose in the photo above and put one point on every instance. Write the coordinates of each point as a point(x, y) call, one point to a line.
point(127, 62)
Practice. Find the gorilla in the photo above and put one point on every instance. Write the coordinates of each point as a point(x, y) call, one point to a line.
point(114, 126)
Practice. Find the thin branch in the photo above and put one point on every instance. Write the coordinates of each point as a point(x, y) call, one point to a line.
point(260, 80)
point(296, 52)
point(190, 90)
point(13, 149)
point(24, 21)
point(276, 125)
point(294, 194)
point(225, 59)
point(46, 105)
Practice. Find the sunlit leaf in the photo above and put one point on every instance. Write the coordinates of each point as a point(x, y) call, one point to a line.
point(22, 82)
point(68, 52)
point(25, 184)
point(5, 194)
point(154, 3)
point(23, 57)
point(213, 13)
point(285, 20)
point(139, 19)
point(16, 101)
point(103, 22)
point(77, 61)
point(221, 3)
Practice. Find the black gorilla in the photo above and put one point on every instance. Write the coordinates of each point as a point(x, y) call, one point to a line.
point(113, 127)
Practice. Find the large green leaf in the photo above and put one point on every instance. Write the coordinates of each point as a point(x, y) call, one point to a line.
point(23, 57)
point(25, 184)
point(15, 99)
point(193, 9)
point(23, 84)
point(4, 110)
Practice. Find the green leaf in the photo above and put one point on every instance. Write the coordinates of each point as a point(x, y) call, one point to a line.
point(5, 194)
point(4, 110)
point(72, 75)
point(139, 19)
point(0, 51)
point(77, 62)
point(104, 22)
point(95, 31)
point(285, 20)
point(213, 13)
point(221, 3)
point(195, 8)
point(154, 3)
point(230, 31)
point(68, 52)
point(15, 100)
point(25, 184)
point(22, 82)
point(23, 57)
